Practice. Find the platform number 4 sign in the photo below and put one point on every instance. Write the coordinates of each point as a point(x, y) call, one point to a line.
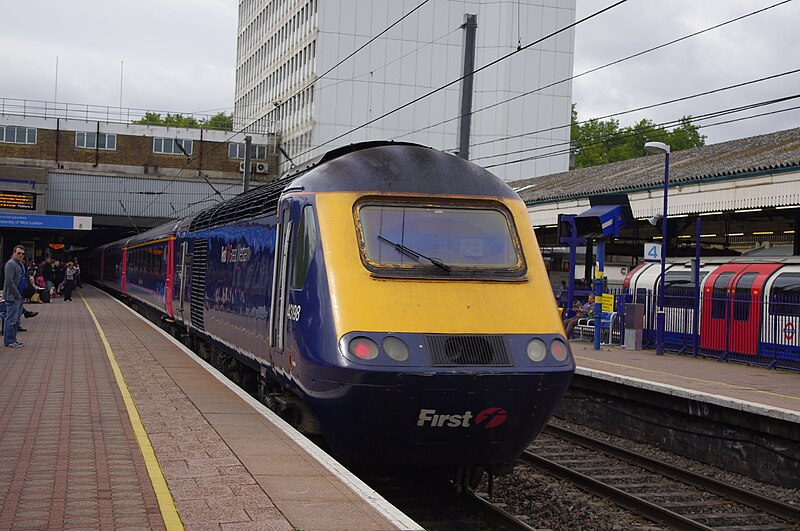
point(652, 252)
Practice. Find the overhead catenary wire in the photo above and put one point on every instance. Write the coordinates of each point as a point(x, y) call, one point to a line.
point(707, 116)
point(629, 111)
point(475, 71)
point(601, 67)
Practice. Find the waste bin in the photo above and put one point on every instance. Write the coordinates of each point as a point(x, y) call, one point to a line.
point(634, 324)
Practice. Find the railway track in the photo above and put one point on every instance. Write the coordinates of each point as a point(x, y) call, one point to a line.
point(436, 506)
point(663, 493)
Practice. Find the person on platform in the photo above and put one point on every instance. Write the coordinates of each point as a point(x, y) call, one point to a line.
point(581, 312)
point(69, 281)
point(15, 278)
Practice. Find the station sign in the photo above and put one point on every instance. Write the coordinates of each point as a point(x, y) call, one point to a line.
point(43, 221)
point(652, 252)
point(17, 200)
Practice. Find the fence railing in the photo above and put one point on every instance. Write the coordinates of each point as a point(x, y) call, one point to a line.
point(759, 330)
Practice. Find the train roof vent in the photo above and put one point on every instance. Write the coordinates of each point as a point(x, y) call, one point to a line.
point(464, 350)
point(256, 202)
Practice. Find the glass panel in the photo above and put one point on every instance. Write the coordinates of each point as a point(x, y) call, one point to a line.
point(80, 139)
point(785, 295)
point(2, 133)
point(304, 248)
point(111, 141)
point(460, 237)
point(187, 145)
point(158, 145)
point(743, 297)
point(233, 150)
point(21, 135)
point(719, 305)
point(32, 136)
point(91, 140)
point(101, 140)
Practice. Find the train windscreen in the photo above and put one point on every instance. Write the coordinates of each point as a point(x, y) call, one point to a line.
point(424, 236)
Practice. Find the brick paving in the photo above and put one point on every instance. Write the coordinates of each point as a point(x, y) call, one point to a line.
point(68, 456)
point(768, 387)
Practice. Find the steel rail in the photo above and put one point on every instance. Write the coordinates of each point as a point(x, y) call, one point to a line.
point(633, 503)
point(720, 488)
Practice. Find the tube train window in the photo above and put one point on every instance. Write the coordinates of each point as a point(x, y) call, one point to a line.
point(785, 298)
point(452, 240)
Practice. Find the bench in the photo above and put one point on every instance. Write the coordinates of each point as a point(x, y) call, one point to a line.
point(609, 327)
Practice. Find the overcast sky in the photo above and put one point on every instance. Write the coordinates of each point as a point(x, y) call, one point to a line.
point(179, 56)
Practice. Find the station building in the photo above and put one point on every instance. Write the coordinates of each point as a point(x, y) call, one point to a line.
point(71, 178)
point(301, 71)
point(745, 192)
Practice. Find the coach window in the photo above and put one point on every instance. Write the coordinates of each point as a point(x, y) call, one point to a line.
point(785, 295)
point(741, 306)
point(304, 247)
point(719, 303)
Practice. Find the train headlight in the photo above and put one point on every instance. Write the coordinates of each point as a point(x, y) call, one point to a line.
point(363, 348)
point(537, 350)
point(395, 348)
point(559, 350)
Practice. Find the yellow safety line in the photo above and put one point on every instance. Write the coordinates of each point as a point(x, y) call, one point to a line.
point(165, 502)
point(723, 384)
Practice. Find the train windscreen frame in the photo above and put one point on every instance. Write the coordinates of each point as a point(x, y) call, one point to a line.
point(451, 240)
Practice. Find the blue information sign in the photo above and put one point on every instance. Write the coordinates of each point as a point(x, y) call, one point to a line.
point(43, 221)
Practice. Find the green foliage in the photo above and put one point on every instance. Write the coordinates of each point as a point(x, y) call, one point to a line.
point(595, 142)
point(218, 121)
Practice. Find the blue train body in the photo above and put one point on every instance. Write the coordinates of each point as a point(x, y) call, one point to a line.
point(388, 296)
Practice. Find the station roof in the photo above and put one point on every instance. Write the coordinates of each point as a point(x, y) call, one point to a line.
point(745, 156)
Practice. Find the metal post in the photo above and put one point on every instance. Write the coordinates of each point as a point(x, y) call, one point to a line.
point(660, 316)
point(468, 66)
point(248, 140)
point(696, 270)
point(598, 291)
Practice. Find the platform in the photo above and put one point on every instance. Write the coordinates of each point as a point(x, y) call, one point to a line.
point(106, 421)
point(755, 389)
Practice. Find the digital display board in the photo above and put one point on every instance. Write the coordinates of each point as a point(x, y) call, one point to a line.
point(17, 200)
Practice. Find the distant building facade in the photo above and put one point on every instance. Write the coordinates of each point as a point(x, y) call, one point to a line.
point(118, 175)
point(288, 79)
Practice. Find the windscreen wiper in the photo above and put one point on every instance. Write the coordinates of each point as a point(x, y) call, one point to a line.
point(411, 253)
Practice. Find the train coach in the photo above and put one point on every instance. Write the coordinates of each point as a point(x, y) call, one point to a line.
point(387, 296)
point(748, 308)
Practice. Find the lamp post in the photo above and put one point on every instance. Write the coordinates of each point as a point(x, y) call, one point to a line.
point(660, 147)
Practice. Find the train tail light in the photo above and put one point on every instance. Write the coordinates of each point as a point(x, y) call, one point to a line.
point(559, 350)
point(363, 348)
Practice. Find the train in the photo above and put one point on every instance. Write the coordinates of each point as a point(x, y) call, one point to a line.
point(748, 308)
point(388, 297)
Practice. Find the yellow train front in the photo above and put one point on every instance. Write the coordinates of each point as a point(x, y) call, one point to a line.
point(421, 329)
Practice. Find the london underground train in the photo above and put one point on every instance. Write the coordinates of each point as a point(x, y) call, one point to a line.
point(748, 308)
point(388, 296)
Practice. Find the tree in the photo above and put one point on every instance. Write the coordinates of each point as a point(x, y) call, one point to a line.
point(596, 142)
point(218, 121)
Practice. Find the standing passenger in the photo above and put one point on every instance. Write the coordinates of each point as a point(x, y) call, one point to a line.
point(69, 281)
point(14, 274)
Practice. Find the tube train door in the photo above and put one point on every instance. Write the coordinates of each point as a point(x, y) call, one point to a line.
point(732, 308)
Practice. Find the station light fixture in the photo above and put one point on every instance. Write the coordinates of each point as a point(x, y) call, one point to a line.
point(748, 210)
point(785, 207)
point(708, 235)
point(710, 213)
point(735, 234)
point(763, 232)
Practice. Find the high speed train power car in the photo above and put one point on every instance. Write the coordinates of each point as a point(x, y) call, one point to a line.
point(390, 297)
